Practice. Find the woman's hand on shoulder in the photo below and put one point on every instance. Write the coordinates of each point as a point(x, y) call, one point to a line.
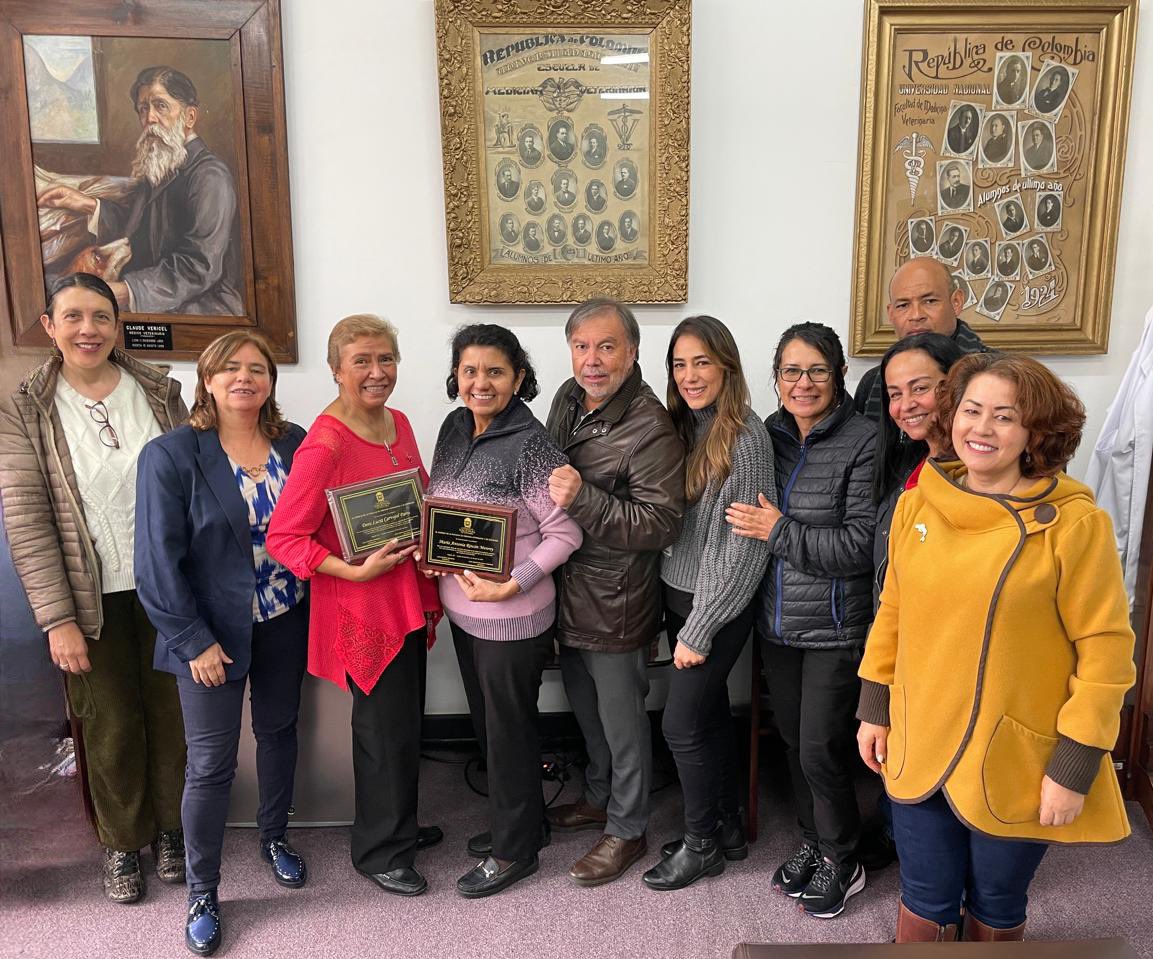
point(1059, 804)
point(480, 590)
point(873, 745)
point(756, 522)
point(208, 668)
point(69, 648)
point(684, 657)
point(388, 557)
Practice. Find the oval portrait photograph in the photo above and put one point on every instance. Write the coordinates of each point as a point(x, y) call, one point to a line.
point(582, 230)
point(606, 236)
point(561, 140)
point(507, 179)
point(530, 146)
point(556, 229)
point(509, 228)
point(595, 196)
point(624, 179)
point(564, 186)
point(594, 146)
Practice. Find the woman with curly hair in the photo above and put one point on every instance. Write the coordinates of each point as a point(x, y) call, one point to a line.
point(491, 449)
point(991, 716)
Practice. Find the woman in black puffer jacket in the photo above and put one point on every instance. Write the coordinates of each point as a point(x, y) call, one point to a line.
point(815, 604)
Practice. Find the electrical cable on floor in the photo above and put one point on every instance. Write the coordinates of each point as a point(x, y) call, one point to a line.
point(443, 759)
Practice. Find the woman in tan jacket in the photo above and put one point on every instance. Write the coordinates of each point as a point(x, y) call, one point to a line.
point(69, 439)
point(991, 714)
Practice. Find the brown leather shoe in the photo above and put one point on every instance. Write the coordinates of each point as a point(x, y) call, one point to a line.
point(913, 928)
point(576, 815)
point(608, 859)
point(974, 930)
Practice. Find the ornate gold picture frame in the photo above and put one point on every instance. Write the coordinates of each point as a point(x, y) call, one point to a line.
point(565, 133)
point(993, 138)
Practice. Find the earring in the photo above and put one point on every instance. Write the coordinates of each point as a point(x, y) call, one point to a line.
point(903, 438)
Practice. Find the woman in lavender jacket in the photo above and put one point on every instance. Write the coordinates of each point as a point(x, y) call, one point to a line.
point(493, 450)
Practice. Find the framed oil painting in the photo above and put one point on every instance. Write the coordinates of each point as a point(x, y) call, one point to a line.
point(565, 133)
point(993, 139)
point(149, 150)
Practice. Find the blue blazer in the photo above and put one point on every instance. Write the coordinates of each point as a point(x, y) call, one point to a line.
point(194, 571)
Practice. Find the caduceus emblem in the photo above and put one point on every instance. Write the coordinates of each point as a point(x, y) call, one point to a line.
point(914, 146)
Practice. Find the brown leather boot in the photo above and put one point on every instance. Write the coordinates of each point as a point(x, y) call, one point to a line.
point(912, 928)
point(976, 931)
point(576, 815)
point(608, 859)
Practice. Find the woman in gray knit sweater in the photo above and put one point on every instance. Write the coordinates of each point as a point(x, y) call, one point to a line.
point(710, 578)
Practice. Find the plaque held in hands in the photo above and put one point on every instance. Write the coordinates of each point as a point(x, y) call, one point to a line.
point(370, 514)
point(456, 536)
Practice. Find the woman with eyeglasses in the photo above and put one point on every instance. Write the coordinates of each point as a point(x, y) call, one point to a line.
point(69, 440)
point(815, 604)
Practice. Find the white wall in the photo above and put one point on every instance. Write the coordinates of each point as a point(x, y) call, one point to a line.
point(768, 247)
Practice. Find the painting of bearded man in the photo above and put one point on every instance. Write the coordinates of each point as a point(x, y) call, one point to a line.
point(181, 217)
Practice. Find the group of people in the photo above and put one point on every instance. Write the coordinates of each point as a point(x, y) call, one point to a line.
point(175, 558)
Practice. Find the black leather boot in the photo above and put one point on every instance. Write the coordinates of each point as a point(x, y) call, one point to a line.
point(730, 835)
point(697, 856)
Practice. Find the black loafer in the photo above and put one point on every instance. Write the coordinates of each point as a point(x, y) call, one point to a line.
point(487, 878)
point(288, 866)
point(404, 881)
point(202, 925)
point(480, 845)
point(428, 836)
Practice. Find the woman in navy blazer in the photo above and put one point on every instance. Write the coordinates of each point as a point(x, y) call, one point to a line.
point(225, 612)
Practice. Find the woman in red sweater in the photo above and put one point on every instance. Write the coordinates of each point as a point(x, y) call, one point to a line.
point(371, 624)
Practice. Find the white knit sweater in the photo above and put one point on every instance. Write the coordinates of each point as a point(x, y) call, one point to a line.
point(106, 476)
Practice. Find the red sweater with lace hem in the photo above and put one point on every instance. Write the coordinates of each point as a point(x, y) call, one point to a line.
point(356, 629)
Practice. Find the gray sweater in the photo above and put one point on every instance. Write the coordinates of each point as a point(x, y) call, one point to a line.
point(721, 570)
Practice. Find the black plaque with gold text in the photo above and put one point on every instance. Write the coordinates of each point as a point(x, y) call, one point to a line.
point(456, 536)
point(372, 513)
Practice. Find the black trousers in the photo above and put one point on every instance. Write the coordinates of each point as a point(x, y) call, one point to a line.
point(814, 696)
point(212, 717)
point(502, 682)
point(698, 726)
point(386, 760)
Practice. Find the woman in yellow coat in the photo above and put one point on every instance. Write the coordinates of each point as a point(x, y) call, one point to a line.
point(994, 674)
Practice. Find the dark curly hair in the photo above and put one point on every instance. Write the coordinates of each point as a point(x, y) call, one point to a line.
point(1050, 410)
point(489, 334)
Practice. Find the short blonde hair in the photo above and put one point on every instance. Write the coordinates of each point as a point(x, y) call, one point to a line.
point(354, 326)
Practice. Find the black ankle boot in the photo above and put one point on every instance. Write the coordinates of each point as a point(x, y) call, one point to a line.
point(730, 835)
point(697, 856)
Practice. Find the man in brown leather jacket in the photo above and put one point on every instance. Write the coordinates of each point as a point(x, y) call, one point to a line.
point(624, 485)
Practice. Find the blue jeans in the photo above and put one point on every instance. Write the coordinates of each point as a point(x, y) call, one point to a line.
point(212, 717)
point(945, 864)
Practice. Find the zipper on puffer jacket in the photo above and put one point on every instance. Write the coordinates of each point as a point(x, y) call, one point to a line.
point(836, 604)
point(778, 573)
